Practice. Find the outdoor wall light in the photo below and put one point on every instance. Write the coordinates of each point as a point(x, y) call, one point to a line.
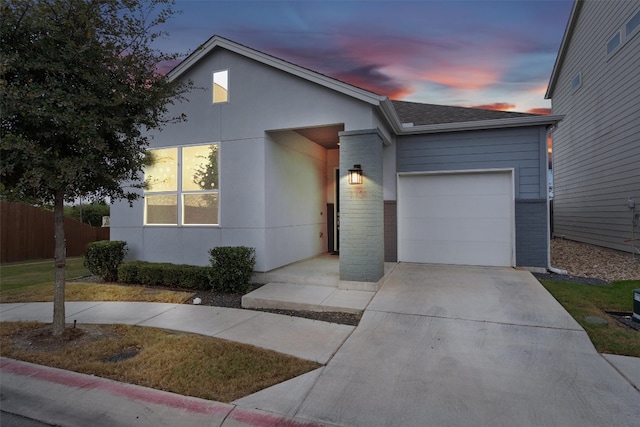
point(355, 175)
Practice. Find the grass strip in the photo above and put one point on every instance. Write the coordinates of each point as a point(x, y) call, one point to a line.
point(182, 363)
point(582, 301)
point(29, 273)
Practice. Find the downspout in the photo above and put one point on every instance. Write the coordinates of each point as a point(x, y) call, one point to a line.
point(549, 267)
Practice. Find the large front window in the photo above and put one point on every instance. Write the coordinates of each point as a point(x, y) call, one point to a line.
point(182, 186)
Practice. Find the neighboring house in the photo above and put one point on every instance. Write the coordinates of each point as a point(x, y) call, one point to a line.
point(264, 161)
point(595, 85)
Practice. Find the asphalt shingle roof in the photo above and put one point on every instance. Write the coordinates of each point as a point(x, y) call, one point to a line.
point(431, 114)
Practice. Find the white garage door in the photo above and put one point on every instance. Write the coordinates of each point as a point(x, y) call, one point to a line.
point(456, 218)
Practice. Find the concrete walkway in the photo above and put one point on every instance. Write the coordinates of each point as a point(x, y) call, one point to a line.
point(437, 345)
point(304, 338)
point(455, 346)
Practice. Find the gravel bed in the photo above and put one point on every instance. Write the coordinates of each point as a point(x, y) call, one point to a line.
point(593, 262)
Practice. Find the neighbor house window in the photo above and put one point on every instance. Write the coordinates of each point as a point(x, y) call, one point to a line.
point(633, 24)
point(220, 86)
point(182, 180)
point(576, 82)
point(614, 43)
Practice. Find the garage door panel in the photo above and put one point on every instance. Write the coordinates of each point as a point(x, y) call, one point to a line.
point(442, 252)
point(464, 218)
point(487, 230)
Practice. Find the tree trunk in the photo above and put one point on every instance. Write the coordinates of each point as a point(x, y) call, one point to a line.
point(60, 255)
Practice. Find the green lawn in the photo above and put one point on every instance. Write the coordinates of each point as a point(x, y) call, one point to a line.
point(30, 273)
point(586, 300)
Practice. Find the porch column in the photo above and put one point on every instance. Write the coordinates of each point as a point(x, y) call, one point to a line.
point(361, 209)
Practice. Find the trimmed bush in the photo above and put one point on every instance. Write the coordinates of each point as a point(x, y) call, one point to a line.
point(103, 258)
point(164, 274)
point(231, 268)
point(128, 272)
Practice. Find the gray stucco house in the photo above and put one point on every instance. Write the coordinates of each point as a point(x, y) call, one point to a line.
point(296, 164)
point(595, 85)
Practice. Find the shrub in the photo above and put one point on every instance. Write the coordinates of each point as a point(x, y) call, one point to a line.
point(231, 268)
point(164, 274)
point(128, 272)
point(103, 258)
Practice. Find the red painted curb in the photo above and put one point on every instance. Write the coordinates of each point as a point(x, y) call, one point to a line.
point(130, 391)
point(192, 405)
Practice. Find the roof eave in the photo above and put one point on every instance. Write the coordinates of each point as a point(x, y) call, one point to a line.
point(217, 41)
point(483, 124)
point(568, 32)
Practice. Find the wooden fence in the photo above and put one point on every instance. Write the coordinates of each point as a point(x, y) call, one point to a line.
point(26, 232)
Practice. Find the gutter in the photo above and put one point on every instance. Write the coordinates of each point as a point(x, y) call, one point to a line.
point(480, 124)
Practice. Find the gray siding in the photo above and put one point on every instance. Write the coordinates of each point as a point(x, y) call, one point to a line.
point(523, 149)
point(520, 148)
point(531, 233)
point(596, 151)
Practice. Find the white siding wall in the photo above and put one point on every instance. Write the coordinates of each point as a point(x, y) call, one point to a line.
point(597, 146)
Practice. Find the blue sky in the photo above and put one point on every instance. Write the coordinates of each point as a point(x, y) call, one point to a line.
point(472, 53)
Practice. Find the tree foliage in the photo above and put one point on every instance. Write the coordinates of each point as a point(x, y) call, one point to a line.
point(79, 88)
point(91, 213)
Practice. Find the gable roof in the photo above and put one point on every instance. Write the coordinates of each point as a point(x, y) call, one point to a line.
point(220, 42)
point(425, 118)
point(562, 52)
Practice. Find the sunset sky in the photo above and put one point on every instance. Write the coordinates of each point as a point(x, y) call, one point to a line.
point(472, 53)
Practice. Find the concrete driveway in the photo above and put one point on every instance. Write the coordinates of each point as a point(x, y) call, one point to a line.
point(461, 346)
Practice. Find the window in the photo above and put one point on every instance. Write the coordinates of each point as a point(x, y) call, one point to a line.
point(614, 43)
point(182, 181)
point(200, 184)
point(161, 197)
point(633, 24)
point(220, 86)
point(576, 82)
point(624, 34)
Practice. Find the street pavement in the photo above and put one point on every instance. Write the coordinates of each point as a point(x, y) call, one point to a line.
point(437, 346)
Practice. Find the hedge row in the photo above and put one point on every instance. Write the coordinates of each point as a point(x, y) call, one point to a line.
point(164, 274)
point(230, 270)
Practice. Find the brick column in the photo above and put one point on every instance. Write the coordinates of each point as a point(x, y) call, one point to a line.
point(361, 208)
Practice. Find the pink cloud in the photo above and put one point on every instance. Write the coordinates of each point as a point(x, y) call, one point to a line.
point(496, 106)
point(543, 111)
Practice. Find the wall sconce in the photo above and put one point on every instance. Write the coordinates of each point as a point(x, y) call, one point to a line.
point(355, 175)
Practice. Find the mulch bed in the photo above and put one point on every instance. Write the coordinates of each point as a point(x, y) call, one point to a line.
point(218, 299)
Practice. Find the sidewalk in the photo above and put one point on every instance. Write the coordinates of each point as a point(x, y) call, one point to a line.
point(304, 338)
point(67, 398)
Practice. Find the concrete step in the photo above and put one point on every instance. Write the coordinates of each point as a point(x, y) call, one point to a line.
point(290, 296)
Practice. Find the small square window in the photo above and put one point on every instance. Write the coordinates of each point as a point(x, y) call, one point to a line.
point(576, 82)
point(614, 43)
point(633, 24)
point(220, 86)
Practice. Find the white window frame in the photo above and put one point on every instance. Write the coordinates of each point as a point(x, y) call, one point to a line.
point(213, 85)
point(617, 35)
point(623, 34)
point(180, 193)
point(577, 77)
point(636, 29)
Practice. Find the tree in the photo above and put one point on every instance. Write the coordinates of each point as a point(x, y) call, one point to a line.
point(91, 213)
point(80, 89)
